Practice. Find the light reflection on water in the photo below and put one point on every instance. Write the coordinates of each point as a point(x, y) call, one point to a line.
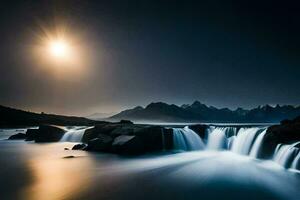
point(40, 171)
point(56, 178)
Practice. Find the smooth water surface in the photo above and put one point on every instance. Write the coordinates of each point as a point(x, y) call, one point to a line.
point(47, 171)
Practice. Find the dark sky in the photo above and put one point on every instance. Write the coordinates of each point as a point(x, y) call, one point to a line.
point(222, 53)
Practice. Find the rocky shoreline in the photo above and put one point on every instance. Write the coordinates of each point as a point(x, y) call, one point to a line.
point(125, 137)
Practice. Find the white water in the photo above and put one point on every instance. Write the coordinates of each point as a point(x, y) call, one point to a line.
point(216, 138)
point(186, 139)
point(287, 155)
point(73, 135)
point(245, 141)
point(257, 144)
point(220, 137)
point(296, 162)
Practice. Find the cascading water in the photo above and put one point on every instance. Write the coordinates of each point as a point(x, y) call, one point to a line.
point(257, 144)
point(220, 137)
point(186, 139)
point(216, 138)
point(227, 138)
point(296, 162)
point(245, 141)
point(73, 135)
point(287, 155)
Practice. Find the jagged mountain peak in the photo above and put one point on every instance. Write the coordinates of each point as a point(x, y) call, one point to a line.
point(199, 112)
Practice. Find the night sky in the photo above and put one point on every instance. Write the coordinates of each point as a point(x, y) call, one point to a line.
point(222, 53)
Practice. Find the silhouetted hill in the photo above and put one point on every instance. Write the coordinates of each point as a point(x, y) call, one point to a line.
point(198, 112)
point(10, 117)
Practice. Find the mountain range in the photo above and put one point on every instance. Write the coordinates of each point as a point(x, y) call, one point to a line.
point(199, 112)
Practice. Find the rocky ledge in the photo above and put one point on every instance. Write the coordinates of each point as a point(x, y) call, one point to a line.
point(287, 132)
point(127, 138)
point(45, 133)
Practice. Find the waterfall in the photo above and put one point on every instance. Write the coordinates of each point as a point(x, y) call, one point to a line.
point(216, 138)
point(230, 141)
point(257, 144)
point(186, 139)
point(245, 139)
point(287, 155)
point(296, 162)
point(220, 137)
point(73, 135)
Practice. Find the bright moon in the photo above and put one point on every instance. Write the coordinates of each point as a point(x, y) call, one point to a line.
point(59, 48)
point(60, 53)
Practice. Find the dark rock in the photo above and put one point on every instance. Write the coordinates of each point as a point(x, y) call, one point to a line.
point(168, 138)
point(123, 121)
point(67, 157)
point(31, 134)
point(112, 129)
point(92, 133)
point(101, 143)
point(128, 144)
point(18, 136)
point(287, 132)
point(147, 139)
point(152, 138)
point(144, 138)
point(48, 133)
point(286, 122)
point(79, 147)
point(66, 149)
point(199, 129)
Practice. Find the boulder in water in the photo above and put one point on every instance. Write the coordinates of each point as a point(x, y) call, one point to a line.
point(101, 143)
point(31, 134)
point(123, 121)
point(48, 133)
point(68, 157)
point(151, 138)
point(92, 133)
point(18, 136)
point(79, 147)
point(128, 144)
point(200, 129)
point(287, 132)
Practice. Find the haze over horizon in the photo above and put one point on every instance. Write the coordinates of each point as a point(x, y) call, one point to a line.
point(224, 54)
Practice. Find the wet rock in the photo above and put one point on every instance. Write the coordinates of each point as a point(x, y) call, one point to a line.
point(287, 132)
point(200, 129)
point(168, 138)
point(18, 136)
point(68, 157)
point(79, 147)
point(31, 134)
point(66, 149)
point(128, 144)
point(143, 138)
point(101, 143)
point(48, 133)
point(93, 133)
point(126, 122)
point(112, 129)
